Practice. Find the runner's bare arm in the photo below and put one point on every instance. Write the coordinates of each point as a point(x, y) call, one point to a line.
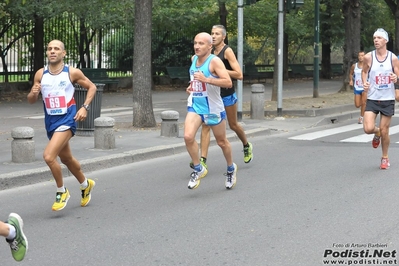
point(217, 68)
point(365, 71)
point(236, 73)
point(78, 77)
point(36, 87)
point(351, 71)
point(395, 64)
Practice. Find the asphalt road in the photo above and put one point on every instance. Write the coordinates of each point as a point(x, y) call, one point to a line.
point(300, 202)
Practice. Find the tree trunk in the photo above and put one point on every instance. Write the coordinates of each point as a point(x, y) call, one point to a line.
point(223, 16)
point(351, 12)
point(326, 43)
point(143, 114)
point(38, 40)
point(326, 59)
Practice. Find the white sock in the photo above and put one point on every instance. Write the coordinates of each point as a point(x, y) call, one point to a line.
point(13, 232)
point(84, 184)
point(61, 189)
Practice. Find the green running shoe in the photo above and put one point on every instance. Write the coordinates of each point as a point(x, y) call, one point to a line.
point(248, 156)
point(19, 245)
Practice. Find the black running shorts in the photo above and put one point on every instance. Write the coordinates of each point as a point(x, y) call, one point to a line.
point(386, 108)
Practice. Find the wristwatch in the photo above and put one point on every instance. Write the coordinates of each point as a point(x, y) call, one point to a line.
point(86, 106)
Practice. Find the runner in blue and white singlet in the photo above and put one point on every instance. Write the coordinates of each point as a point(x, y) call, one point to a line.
point(58, 102)
point(205, 98)
point(205, 105)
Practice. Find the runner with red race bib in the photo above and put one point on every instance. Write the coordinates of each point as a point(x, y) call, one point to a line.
point(55, 83)
point(379, 74)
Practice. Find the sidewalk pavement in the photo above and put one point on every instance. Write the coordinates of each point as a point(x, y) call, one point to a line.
point(133, 145)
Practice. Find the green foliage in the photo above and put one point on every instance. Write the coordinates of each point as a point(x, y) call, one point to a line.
point(250, 55)
point(382, 18)
point(119, 40)
point(175, 15)
point(175, 22)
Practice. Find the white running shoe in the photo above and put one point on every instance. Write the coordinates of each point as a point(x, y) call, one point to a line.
point(195, 178)
point(231, 178)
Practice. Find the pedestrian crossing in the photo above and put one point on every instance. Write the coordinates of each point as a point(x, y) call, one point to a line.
point(352, 133)
point(109, 112)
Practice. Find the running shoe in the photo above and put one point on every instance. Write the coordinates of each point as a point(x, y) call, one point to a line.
point(19, 245)
point(61, 200)
point(385, 163)
point(231, 178)
point(202, 162)
point(86, 193)
point(248, 156)
point(195, 178)
point(376, 141)
point(360, 121)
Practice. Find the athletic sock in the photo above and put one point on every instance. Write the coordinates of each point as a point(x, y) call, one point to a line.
point(197, 168)
point(84, 184)
point(12, 233)
point(61, 189)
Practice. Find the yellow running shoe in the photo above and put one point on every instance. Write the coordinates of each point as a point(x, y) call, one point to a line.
point(86, 193)
point(61, 200)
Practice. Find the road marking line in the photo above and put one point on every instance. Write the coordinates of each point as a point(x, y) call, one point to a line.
point(369, 137)
point(327, 132)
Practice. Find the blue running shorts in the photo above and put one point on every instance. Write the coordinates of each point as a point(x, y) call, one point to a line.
point(230, 100)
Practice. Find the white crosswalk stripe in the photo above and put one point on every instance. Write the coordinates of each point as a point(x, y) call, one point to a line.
point(354, 129)
point(110, 112)
point(327, 132)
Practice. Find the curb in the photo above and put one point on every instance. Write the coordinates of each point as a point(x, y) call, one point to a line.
point(315, 112)
point(29, 177)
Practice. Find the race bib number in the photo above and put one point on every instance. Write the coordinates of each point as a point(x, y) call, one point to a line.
point(212, 119)
point(358, 84)
point(198, 89)
point(383, 80)
point(56, 105)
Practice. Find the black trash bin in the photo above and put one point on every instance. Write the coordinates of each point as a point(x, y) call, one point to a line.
point(86, 127)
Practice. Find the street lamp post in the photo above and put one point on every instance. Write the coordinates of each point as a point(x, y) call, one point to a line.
point(316, 50)
point(280, 55)
point(240, 38)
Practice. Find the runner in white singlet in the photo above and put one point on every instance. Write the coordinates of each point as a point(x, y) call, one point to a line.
point(55, 83)
point(379, 74)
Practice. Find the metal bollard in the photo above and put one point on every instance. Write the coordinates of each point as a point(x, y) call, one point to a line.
point(104, 137)
point(257, 101)
point(169, 124)
point(23, 145)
